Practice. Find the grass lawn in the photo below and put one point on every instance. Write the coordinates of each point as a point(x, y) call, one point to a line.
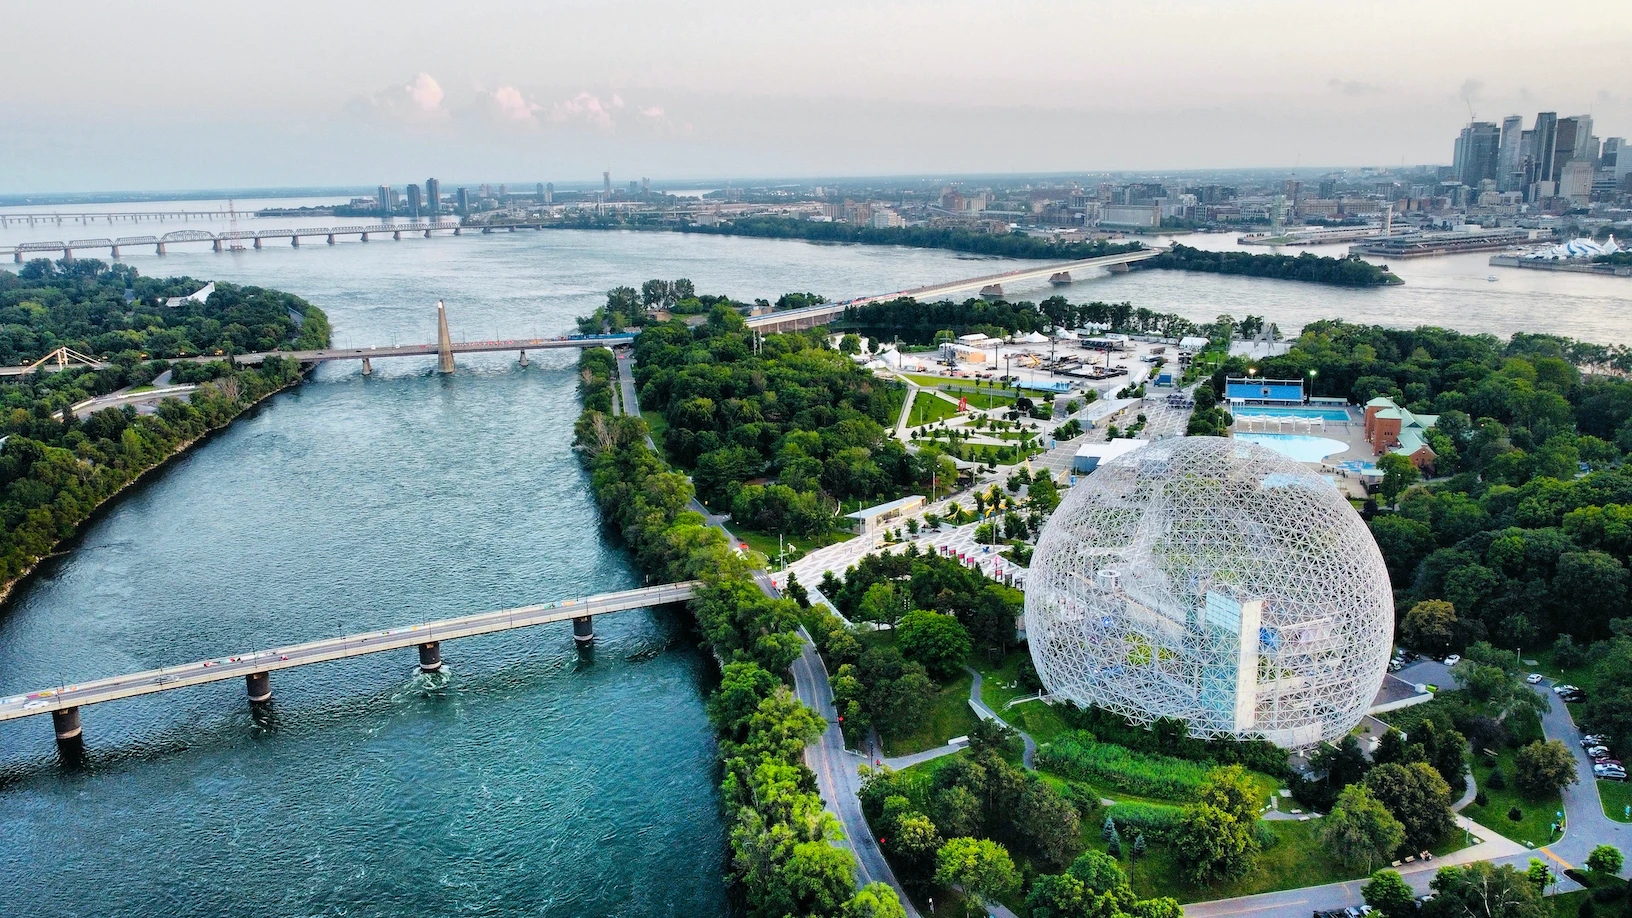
point(928, 409)
point(1039, 720)
point(1568, 905)
point(1617, 796)
point(1538, 815)
point(136, 389)
point(765, 542)
point(947, 715)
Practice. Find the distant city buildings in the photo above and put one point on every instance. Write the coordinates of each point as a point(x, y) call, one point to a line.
point(433, 197)
point(1558, 162)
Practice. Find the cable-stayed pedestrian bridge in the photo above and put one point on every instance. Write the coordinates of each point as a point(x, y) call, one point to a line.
point(256, 667)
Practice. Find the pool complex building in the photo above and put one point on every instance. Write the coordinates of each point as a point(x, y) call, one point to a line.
point(1291, 411)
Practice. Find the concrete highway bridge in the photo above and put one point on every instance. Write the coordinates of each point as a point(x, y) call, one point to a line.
point(256, 668)
point(812, 316)
point(35, 219)
point(223, 241)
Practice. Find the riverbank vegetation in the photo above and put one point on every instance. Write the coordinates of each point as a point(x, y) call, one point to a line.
point(779, 429)
point(782, 861)
point(1351, 271)
point(916, 323)
point(55, 468)
point(956, 239)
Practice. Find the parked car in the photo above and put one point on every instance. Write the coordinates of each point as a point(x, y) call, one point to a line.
point(1596, 751)
point(1561, 689)
point(1593, 739)
point(1606, 760)
point(1607, 770)
point(1533, 678)
point(1453, 659)
point(1575, 697)
point(1613, 776)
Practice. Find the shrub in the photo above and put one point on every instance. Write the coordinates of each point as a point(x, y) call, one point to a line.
point(1146, 819)
point(1075, 754)
point(1480, 799)
point(1496, 781)
point(1515, 814)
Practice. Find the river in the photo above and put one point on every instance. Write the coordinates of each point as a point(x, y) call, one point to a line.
point(528, 781)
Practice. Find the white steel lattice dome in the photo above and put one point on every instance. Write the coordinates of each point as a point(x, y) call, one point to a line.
point(1214, 581)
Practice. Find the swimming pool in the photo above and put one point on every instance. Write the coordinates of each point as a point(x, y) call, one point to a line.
point(1301, 447)
point(1290, 411)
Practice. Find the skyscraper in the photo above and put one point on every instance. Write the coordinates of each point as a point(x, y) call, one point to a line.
point(1477, 151)
point(1546, 140)
point(606, 182)
point(464, 202)
point(413, 201)
point(433, 196)
point(549, 193)
point(541, 193)
point(385, 200)
point(1510, 155)
point(1570, 143)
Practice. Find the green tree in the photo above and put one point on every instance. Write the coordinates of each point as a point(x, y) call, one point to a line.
point(935, 640)
point(1543, 768)
point(880, 604)
point(1605, 860)
point(1360, 830)
point(1398, 474)
point(1215, 839)
point(1056, 895)
point(1387, 892)
point(818, 876)
point(1484, 890)
point(875, 900)
point(913, 841)
point(1417, 796)
point(980, 866)
point(743, 686)
point(850, 344)
point(1429, 626)
point(1098, 873)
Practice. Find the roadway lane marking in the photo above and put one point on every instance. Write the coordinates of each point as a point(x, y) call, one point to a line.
point(1549, 853)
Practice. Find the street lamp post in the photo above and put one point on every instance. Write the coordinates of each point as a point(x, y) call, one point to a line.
point(1312, 375)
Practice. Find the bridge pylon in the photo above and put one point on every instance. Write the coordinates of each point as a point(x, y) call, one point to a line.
point(444, 342)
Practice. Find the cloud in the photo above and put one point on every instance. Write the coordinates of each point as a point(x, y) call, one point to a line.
point(510, 106)
point(1353, 87)
point(586, 108)
point(1472, 89)
point(655, 117)
point(418, 100)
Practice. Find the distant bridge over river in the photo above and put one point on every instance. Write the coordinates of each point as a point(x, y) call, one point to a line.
point(230, 239)
point(256, 667)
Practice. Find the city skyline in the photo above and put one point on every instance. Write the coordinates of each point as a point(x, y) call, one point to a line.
point(296, 98)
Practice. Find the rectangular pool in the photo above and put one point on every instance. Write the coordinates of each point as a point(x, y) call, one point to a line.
point(1290, 411)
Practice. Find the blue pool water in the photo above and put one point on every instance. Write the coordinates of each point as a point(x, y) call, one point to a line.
point(1292, 411)
point(1301, 447)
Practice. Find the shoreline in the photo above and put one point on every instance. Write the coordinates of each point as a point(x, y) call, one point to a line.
point(66, 545)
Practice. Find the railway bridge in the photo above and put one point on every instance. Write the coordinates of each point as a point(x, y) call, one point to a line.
point(230, 239)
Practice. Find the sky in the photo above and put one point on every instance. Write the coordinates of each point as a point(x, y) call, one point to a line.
point(104, 96)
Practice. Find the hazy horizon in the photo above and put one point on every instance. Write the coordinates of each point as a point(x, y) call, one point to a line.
point(305, 95)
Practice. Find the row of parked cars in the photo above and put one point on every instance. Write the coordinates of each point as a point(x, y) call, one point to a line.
point(1604, 765)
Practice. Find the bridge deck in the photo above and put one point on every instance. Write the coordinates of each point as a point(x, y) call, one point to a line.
point(335, 648)
point(832, 309)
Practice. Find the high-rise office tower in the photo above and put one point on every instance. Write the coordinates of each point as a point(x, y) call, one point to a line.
point(384, 196)
point(433, 196)
point(1476, 153)
point(1545, 135)
point(413, 201)
point(541, 193)
point(1569, 143)
point(464, 202)
point(1509, 156)
point(606, 182)
point(549, 192)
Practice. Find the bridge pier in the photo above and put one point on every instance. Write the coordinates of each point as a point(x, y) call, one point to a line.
point(67, 253)
point(365, 237)
point(368, 368)
point(66, 722)
point(158, 248)
point(259, 686)
point(294, 241)
point(430, 657)
point(428, 232)
point(457, 231)
point(17, 256)
point(216, 245)
point(257, 243)
point(583, 629)
point(523, 358)
point(331, 239)
point(396, 235)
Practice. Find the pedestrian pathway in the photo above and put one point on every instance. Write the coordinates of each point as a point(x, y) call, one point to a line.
point(899, 762)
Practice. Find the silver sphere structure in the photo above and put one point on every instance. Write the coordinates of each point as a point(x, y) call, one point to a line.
point(1214, 581)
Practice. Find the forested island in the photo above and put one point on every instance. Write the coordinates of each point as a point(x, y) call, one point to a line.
point(1351, 271)
point(957, 239)
point(55, 469)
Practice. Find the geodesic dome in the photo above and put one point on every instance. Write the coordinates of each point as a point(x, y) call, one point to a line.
point(1215, 581)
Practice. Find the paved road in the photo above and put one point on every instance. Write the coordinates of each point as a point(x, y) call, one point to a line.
point(1586, 826)
point(260, 661)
